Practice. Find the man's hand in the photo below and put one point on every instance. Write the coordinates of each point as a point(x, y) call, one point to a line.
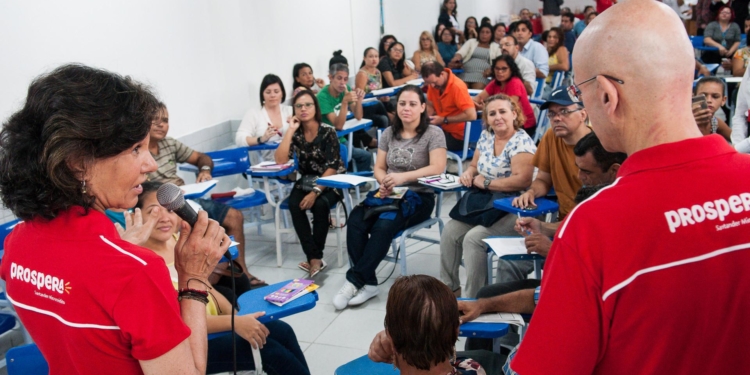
point(470, 310)
point(702, 116)
point(436, 120)
point(538, 243)
point(381, 348)
point(249, 328)
point(203, 176)
point(308, 201)
point(528, 225)
point(136, 230)
point(524, 200)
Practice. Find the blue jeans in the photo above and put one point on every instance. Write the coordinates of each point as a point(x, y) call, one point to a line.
point(281, 355)
point(362, 158)
point(368, 241)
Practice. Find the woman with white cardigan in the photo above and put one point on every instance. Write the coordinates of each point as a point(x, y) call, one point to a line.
point(269, 123)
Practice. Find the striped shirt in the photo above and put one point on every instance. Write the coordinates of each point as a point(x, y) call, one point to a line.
point(171, 152)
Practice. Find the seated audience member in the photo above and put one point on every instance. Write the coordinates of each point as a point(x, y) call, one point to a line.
point(448, 13)
point(449, 104)
point(394, 68)
point(722, 34)
point(498, 32)
point(713, 89)
point(510, 47)
point(270, 122)
point(317, 148)
point(587, 18)
point(475, 57)
point(447, 45)
point(555, 160)
point(524, 15)
point(501, 165)
point(369, 79)
point(740, 139)
point(408, 150)
point(559, 56)
point(438, 31)
point(597, 169)
point(486, 21)
point(168, 152)
point(470, 29)
point(566, 24)
point(530, 48)
point(421, 329)
point(427, 51)
point(385, 44)
point(279, 349)
point(745, 30)
point(742, 56)
point(304, 79)
point(334, 112)
point(507, 80)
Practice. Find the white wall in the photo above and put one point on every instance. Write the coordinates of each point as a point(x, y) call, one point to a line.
point(204, 59)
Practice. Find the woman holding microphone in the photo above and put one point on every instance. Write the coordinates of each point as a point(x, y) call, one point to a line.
point(93, 301)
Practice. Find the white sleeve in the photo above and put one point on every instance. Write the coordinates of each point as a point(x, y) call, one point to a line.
point(528, 71)
point(247, 128)
point(739, 121)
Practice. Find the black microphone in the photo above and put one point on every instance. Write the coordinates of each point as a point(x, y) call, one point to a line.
point(170, 197)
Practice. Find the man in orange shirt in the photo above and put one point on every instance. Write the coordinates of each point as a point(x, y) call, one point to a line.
point(449, 104)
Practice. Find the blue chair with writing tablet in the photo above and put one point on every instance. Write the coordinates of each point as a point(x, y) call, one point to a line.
point(26, 360)
point(472, 132)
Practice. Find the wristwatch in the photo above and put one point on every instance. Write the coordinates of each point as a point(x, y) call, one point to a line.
point(445, 120)
point(205, 168)
point(487, 183)
point(317, 191)
point(260, 140)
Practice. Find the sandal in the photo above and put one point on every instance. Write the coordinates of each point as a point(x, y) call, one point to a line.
point(258, 284)
point(304, 266)
point(323, 266)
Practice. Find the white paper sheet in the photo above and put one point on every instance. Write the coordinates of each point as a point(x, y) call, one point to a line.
point(348, 178)
point(506, 245)
point(501, 317)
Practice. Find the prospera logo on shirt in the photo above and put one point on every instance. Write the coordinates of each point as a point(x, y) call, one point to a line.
point(39, 279)
point(711, 210)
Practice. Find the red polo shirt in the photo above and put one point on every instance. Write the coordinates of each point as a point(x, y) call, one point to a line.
point(454, 100)
point(93, 303)
point(650, 275)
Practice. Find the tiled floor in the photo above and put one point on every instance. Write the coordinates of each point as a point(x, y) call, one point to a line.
point(331, 338)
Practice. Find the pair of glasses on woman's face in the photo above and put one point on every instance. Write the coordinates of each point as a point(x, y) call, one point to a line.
point(303, 105)
point(574, 90)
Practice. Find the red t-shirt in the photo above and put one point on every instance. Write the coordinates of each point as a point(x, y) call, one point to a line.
point(93, 303)
point(602, 5)
point(647, 276)
point(454, 100)
point(515, 87)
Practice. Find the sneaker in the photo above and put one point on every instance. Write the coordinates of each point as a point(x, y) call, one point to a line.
point(367, 292)
point(341, 299)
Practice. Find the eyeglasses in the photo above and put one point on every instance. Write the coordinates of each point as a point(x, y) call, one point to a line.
point(503, 69)
point(562, 113)
point(397, 50)
point(305, 105)
point(574, 90)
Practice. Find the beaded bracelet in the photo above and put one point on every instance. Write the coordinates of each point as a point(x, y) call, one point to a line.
point(198, 295)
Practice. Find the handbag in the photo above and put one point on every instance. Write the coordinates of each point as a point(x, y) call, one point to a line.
point(308, 182)
point(376, 206)
point(475, 207)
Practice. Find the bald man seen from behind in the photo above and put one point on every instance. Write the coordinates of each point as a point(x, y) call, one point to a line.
point(650, 275)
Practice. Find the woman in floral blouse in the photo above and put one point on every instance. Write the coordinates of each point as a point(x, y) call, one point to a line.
point(502, 163)
point(318, 154)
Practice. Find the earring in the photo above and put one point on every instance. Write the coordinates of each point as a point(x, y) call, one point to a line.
point(83, 186)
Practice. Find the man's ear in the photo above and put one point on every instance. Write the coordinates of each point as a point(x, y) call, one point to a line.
point(607, 95)
point(614, 168)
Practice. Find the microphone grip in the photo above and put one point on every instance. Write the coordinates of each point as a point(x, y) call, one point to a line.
point(187, 213)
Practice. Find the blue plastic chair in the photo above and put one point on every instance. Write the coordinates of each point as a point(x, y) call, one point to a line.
point(472, 132)
point(26, 360)
point(542, 122)
point(539, 89)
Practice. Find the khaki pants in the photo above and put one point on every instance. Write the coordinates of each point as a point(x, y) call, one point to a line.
point(550, 21)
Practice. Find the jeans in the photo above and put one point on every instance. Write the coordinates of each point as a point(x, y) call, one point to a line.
point(313, 241)
point(461, 240)
point(377, 114)
point(368, 241)
point(362, 158)
point(281, 355)
point(494, 290)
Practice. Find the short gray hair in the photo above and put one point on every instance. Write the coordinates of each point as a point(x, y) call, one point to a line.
point(338, 67)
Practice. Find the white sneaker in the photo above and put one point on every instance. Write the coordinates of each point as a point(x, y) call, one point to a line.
point(341, 299)
point(367, 292)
